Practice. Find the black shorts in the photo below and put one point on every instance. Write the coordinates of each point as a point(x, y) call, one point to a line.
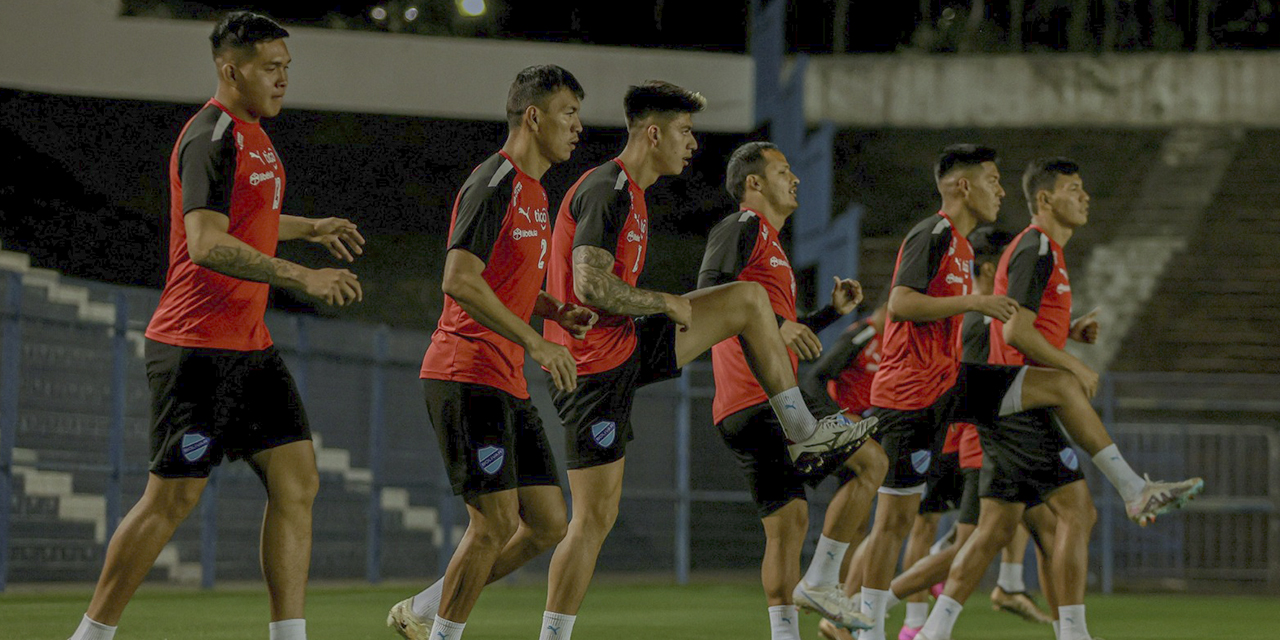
point(597, 414)
point(490, 440)
point(207, 404)
point(970, 506)
point(1026, 457)
point(945, 486)
point(756, 438)
point(909, 436)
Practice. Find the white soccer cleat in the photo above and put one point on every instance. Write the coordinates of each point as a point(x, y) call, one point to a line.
point(832, 604)
point(1160, 497)
point(834, 439)
point(402, 620)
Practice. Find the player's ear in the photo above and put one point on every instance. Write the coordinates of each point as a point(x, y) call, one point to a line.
point(531, 117)
point(753, 182)
point(654, 134)
point(226, 70)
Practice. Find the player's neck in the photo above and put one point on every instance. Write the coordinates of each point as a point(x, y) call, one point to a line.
point(639, 163)
point(230, 100)
point(524, 152)
point(776, 218)
point(1057, 231)
point(962, 219)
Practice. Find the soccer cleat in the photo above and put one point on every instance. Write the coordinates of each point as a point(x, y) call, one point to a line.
point(402, 620)
point(1161, 497)
point(1019, 604)
point(828, 630)
point(834, 439)
point(909, 633)
point(832, 604)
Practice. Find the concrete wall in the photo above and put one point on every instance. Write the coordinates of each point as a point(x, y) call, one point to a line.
point(83, 47)
point(1132, 90)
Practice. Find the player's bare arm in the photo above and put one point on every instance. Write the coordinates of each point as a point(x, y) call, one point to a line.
point(338, 235)
point(595, 284)
point(577, 320)
point(1021, 334)
point(801, 338)
point(212, 247)
point(464, 282)
point(907, 304)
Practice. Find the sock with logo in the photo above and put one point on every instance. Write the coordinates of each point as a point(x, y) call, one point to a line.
point(556, 626)
point(1073, 624)
point(1119, 473)
point(797, 423)
point(917, 614)
point(427, 603)
point(90, 630)
point(873, 606)
point(292, 629)
point(824, 569)
point(784, 623)
point(447, 630)
point(1011, 578)
point(943, 618)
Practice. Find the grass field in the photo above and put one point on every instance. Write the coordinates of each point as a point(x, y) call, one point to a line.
point(712, 610)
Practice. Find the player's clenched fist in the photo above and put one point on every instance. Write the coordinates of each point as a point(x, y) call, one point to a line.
point(679, 310)
point(337, 287)
point(558, 363)
point(1001, 308)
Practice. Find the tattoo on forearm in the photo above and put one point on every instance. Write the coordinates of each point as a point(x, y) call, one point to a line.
point(242, 263)
point(592, 268)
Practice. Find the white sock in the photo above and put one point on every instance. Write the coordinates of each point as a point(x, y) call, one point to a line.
point(824, 569)
point(1011, 578)
point(784, 623)
point(292, 629)
point(1073, 625)
point(1057, 630)
point(1119, 473)
point(446, 630)
point(427, 603)
point(556, 626)
point(943, 618)
point(873, 606)
point(797, 423)
point(90, 630)
point(917, 613)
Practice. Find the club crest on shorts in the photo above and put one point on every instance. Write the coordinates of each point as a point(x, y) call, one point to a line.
point(194, 446)
point(491, 459)
point(604, 432)
point(920, 460)
point(1069, 458)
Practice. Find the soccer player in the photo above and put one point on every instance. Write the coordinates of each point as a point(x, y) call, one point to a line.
point(1029, 459)
point(844, 371)
point(219, 388)
point(490, 435)
point(921, 385)
point(597, 254)
point(745, 247)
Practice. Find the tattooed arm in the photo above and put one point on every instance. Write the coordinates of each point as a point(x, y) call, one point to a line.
point(212, 247)
point(595, 284)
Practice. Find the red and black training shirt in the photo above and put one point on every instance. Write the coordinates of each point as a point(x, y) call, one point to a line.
point(606, 209)
point(223, 164)
point(500, 216)
point(920, 360)
point(1033, 272)
point(745, 247)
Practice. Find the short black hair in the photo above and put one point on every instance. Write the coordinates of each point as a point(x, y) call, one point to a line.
point(988, 243)
point(656, 96)
point(962, 156)
point(746, 160)
point(240, 30)
point(533, 85)
point(1042, 174)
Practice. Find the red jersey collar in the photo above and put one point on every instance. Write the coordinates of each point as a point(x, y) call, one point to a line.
point(762, 218)
point(1045, 234)
point(520, 171)
point(618, 161)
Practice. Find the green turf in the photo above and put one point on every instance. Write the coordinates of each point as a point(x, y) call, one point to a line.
point(712, 610)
